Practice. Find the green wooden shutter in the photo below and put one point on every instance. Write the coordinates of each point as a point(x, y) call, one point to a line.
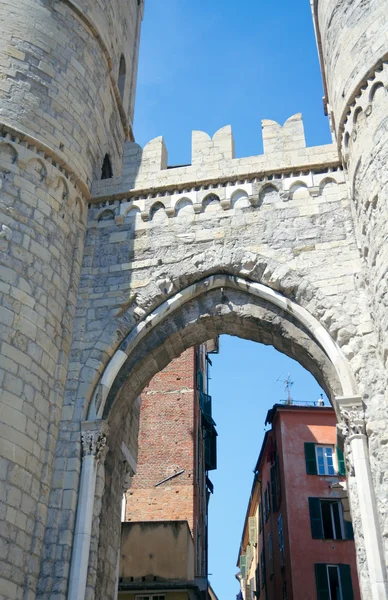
point(346, 582)
point(341, 462)
point(316, 518)
point(273, 487)
point(243, 566)
point(278, 493)
point(321, 582)
point(311, 461)
point(252, 530)
point(349, 535)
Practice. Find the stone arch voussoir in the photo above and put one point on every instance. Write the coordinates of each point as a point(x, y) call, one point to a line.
point(167, 282)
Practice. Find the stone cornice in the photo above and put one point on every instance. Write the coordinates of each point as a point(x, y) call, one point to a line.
point(12, 134)
point(215, 182)
point(357, 92)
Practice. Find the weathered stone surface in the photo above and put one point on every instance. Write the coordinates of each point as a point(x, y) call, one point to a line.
point(103, 282)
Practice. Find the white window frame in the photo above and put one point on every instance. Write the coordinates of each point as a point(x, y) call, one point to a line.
point(325, 462)
point(341, 518)
point(339, 580)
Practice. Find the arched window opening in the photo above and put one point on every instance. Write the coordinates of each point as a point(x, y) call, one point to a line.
point(122, 75)
point(106, 171)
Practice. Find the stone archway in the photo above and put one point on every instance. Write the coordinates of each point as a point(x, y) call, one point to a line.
point(214, 305)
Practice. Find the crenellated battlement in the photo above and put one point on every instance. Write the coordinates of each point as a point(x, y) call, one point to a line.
point(213, 159)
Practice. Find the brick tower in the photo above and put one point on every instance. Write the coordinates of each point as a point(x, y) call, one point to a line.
point(68, 75)
point(176, 450)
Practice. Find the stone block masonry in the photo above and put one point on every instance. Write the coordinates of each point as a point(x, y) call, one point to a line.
point(61, 111)
point(103, 283)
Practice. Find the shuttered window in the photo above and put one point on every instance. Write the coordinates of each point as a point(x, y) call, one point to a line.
point(316, 518)
point(262, 564)
point(252, 524)
point(327, 521)
point(333, 582)
point(311, 461)
point(346, 582)
point(341, 462)
point(275, 484)
point(281, 540)
point(257, 574)
point(243, 566)
point(270, 554)
point(321, 582)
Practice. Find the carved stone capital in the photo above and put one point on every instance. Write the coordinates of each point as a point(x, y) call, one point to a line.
point(93, 441)
point(126, 476)
point(352, 421)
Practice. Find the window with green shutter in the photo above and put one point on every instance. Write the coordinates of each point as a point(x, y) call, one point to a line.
point(341, 462)
point(333, 582)
point(346, 582)
point(321, 581)
point(257, 574)
point(243, 566)
point(349, 535)
point(252, 524)
point(327, 520)
point(316, 518)
point(311, 461)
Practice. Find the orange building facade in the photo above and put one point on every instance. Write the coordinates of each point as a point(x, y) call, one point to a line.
point(297, 542)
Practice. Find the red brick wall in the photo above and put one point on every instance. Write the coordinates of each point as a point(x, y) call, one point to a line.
point(167, 444)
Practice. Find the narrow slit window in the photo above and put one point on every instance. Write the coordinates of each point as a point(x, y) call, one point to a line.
point(122, 76)
point(106, 171)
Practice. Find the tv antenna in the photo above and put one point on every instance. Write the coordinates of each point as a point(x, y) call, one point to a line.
point(287, 386)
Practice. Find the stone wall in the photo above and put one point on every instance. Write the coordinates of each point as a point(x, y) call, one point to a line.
point(60, 112)
point(353, 39)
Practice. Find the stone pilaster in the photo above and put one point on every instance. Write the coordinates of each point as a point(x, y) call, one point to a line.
point(353, 429)
point(94, 449)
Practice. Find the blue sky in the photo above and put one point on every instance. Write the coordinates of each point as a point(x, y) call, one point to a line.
point(205, 64)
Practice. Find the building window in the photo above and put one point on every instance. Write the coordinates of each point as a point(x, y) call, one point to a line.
point(267, 503)
point(284, 591)
point(334, 582)
point(257, 574)
point(262, 564)
point(106, 171)
point(122, 76)
point(332, 519)
point(270, 554)
point(275, 484)
point(324, 456)
point(321, 460)
point(327, 522)
point(281, 540)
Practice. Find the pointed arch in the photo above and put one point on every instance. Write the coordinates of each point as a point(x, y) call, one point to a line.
point(106, 170)
point(196, 310)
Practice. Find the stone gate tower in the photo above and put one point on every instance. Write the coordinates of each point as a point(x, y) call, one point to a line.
point(103, 283)
point(68, 78)
point(353, 48)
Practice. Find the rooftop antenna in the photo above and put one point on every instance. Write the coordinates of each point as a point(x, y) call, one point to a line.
point(287, 386)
